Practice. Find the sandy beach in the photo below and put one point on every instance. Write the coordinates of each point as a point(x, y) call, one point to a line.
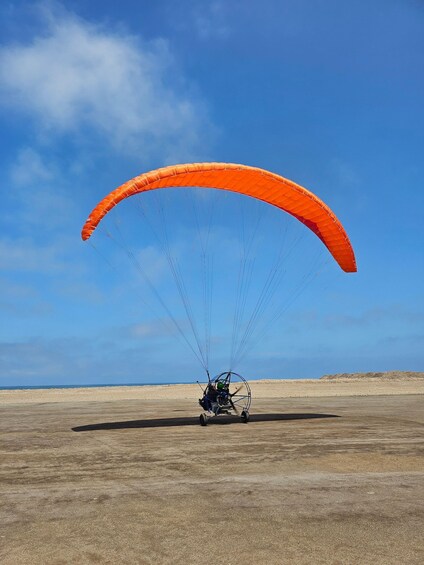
point(287, 388)
point(325, 472)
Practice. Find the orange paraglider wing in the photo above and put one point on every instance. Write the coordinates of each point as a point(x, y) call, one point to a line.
point(250, 181)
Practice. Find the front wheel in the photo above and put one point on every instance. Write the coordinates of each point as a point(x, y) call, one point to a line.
point(203, 420)
point(245, 416)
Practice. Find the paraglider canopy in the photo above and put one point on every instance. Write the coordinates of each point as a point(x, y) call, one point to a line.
point(250, 181)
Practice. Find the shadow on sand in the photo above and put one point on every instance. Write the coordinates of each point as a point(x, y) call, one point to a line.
point(194, 421)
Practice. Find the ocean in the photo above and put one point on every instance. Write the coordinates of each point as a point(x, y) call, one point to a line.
point(82, 385)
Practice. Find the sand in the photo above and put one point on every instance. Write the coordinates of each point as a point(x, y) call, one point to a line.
point(287, 388)
point(325, 472)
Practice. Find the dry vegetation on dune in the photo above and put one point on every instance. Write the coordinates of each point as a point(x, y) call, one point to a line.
point(384, 376)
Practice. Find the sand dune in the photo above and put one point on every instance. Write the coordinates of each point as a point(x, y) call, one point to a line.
point(385, 376)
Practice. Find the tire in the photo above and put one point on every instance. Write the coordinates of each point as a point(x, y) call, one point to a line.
point(245, 416)
point(203, 420)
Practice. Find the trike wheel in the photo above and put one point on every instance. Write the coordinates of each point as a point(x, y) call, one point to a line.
point(245, 416)
point(203, 420)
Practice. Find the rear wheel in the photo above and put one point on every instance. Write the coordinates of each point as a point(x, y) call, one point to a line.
point(245, 416)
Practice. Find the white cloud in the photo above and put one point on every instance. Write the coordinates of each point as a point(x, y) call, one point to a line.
point(78, 77)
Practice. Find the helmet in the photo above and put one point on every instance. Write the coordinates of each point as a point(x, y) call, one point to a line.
point(220, 385)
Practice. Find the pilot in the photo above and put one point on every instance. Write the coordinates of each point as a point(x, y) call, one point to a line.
point(223, 389)
point(212, 398)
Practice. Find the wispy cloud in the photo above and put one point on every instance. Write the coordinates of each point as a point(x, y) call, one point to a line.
point(77, 76)
point(29, 168)
point(369, 318)
point(22, 254)
point(39, 194)
point(30, 358)
point(21, 300)
point(373, 317)
point(203, 21)
point(152, 263)
point(69, 360)
point(159, 328)
point(210, 20)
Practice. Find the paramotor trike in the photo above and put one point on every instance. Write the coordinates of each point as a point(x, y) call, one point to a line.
point(227, 394)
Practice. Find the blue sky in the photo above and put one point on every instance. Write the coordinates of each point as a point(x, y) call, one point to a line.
point(328, 94)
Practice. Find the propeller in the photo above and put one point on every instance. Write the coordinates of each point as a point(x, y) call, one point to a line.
point(236, 391)
point(230, 396)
